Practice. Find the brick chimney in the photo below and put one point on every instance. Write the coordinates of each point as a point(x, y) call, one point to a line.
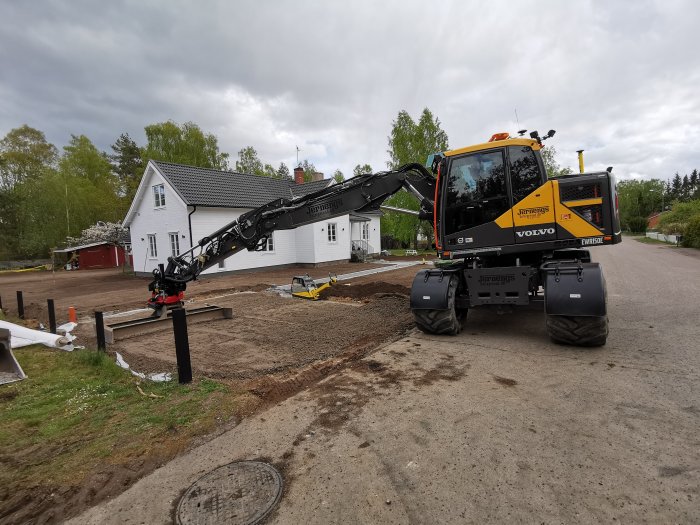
point(299, 175)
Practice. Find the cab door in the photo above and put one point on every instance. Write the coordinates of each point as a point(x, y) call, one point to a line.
point(533, 200)
point(475, 195)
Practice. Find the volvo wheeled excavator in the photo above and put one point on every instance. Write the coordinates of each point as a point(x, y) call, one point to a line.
point(505, 235)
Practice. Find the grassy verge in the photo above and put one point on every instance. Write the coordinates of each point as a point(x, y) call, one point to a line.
point(77, 412)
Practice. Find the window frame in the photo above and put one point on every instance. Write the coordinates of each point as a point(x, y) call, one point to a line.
point(269, 246)
point(364, 231)
point(158, 195)
point(332, 239)
point(176, 237)
point(475, 193)
point(152, 246)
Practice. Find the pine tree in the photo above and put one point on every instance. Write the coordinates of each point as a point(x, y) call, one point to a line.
point(127, 164)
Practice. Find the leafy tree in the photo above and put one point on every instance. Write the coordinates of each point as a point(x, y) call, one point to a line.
point(639, 199)
point(411, 141)
point(361, 170)
point(24, 154)
point(283, 172)
point(127, 164)
point(338, 176)
point(248, 161)
point(186, 144)
point(81, 192)
point(549, 157)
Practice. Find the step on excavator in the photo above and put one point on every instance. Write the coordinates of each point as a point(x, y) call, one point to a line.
point(505, 235)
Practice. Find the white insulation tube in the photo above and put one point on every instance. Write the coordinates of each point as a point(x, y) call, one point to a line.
point(21, 336)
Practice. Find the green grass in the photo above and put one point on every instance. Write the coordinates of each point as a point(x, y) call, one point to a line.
point(78, 409)
point(402, 252)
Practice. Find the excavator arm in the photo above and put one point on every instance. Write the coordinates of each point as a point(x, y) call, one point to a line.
point(250, 231)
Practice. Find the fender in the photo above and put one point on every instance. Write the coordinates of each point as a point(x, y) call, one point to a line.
point(430, 288)
point(574, 289)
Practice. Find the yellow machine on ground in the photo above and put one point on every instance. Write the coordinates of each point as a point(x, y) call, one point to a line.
point(305, 287)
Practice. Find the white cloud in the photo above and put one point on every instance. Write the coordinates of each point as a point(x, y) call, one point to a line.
point(617, 79)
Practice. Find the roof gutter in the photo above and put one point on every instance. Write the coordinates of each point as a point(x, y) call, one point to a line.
point(189, 222)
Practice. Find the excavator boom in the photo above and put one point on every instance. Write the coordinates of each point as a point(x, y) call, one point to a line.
point(250, 231)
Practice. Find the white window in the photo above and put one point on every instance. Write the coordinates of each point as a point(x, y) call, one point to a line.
point(159, 195)
point(365, 231)
point(152, 247)
point(175, 244)
point(269, 246)
point(332, 227)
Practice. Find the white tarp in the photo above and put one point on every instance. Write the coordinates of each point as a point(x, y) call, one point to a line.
point(158, 378)
point(22, 336)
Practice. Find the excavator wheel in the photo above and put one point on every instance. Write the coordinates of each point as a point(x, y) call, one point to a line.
point(444, 322)
point(578, 330)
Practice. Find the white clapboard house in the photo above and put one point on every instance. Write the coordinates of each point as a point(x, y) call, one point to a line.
point(177, 205)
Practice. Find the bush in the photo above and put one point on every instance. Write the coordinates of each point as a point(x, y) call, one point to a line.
point(691, 238)
point(676, 220)
point(637, 224)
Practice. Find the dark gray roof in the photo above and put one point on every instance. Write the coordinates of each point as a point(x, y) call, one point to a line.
point(228, 189)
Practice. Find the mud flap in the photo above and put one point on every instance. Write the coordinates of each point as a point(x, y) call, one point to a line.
point(574, 289)
point(430, 290)
point(10, 371)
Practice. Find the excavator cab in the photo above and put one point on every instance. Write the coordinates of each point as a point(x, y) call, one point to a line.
point(304, 287)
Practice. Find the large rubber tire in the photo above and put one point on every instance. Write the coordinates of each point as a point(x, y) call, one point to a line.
point(443, 322)
point(578, 330)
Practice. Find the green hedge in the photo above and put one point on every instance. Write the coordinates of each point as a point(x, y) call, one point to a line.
point(691, 239)
point(637, 224)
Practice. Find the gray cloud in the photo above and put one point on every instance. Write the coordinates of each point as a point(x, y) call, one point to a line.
point(615, 78)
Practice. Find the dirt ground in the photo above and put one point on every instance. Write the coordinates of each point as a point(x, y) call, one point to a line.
point(273, 347)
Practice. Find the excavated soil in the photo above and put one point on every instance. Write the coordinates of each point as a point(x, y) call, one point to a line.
point(272, 334)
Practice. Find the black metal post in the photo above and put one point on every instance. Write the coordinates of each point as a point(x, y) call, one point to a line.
point(100, 331)
point(52, 316)
point(182, 346)
point(20, 305)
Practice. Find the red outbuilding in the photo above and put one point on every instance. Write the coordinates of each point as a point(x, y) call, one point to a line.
point(95, 255)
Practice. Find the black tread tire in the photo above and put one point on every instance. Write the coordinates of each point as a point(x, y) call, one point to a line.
point(578, 330)
point(442, 322)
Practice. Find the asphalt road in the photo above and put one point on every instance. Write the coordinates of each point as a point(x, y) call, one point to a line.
point(494, 425)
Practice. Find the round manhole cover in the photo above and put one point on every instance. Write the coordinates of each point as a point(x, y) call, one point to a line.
point(243, 492)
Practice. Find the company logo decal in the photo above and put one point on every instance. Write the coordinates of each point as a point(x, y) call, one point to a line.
point(464, 240)
point(535, 233)
point(535, 211)
point(325, 208)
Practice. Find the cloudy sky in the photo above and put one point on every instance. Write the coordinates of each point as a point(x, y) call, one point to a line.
point(618, 79)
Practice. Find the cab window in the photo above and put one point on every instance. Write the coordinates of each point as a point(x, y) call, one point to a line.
point(524, 172)
point(476, 190)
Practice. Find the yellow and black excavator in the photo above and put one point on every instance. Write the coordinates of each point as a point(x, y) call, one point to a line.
point(505, 235)
point(305, 287)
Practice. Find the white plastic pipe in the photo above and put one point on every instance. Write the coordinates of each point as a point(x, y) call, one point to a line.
point(22, 336)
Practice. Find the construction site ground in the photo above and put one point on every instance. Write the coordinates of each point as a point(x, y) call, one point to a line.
point(495, 425)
